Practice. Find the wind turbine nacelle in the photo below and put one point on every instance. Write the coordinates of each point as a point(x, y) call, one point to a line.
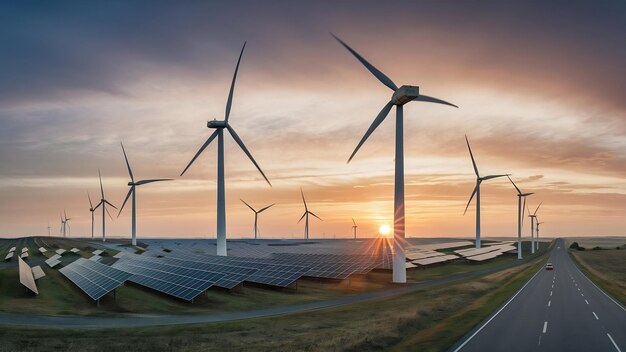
point(405, 94)
point(216, 124)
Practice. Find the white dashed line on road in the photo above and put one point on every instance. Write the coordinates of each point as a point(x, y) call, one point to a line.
point(549, 303)
point(586, 301)
point(550, 293)
point(595, 315)
point(614, 344)
point(545, 328)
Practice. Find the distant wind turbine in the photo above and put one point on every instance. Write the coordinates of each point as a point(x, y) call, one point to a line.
point(520, 216)
point(305, 216)
point(256, 216)
point(219, 127)
point(66, 224)
point(354, 227)
point(49, 229)
point(132, 184)
point(92, 210)
point(533, 218)
point(476, 192)
point(538, 223)
point(104, 203)
point(62, 229)
point(400, 96)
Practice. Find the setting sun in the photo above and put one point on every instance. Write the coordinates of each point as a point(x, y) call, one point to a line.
point(385, 230)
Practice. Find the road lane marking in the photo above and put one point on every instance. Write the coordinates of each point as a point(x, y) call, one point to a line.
point(545, 326)
point(552, 285)
point(549, 303)
point(586, 301)
point(599, 289)
point(582, 295)
point(498, 312)
point(595, 315)
point(614, 344)
point(550, 293)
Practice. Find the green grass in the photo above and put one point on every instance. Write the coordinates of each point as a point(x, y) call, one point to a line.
point(606, 268)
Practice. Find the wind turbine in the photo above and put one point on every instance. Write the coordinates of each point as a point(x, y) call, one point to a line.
point(538, 223)
point(520, 216)
point(104, 203)
point(256, 216)
point(219, 127)
point(354, 227)
point(49, 229)
point(62, 229)
point(533, 218)
point(306, 215)
point(92, 210)
point(476, 192)
point(400, 96)
point(132, 184)
point(66, 223)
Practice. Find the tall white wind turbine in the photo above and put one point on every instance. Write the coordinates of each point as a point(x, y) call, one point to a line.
point(132, 184)
point(538, 223)
point(103, 203)
point(92, 210)
point(66, 224)
point(219, 127)
point(256, 216)
point(533, 218)
point(400, 96)
point(476, 192)
point(62, 229)
point(520, 216)
point(354, 227)
point(305, 216)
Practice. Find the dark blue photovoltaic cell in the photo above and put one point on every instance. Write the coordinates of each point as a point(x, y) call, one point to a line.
point(95, 279)
point(331, 266)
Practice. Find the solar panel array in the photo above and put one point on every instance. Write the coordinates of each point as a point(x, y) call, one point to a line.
point(95, 279)
point(9, 256)
point(38, 272)
point(60, 251)
point(330, 266)
point(53, 261)
point(182, 282)
point(74, 250)
point(42, 250)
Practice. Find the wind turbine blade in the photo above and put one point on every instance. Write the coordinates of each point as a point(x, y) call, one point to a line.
point(143, 182)
point(97, 206)
point(427, 99)
point(376, 72)
point(353, 222)
point(130, 172)
point(244, 202)
point(130, 191)
point(535, 213)
point(267, 207)
point(101, 188)
point(107, 210)
point(206, 144)
point(377, 121)
point(316, 216)
point(232, 85)
point(514, 185)
point(106, 201)
point(472, 156)
point(303, 200)
point(303, 215)
point(523, 211)
point(471, 197)
point(90, 203)
point(493, 176)
point(245, 150)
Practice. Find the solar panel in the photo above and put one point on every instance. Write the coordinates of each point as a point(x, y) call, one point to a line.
point(97, 252)
point(95, 279)
point(38, 272)
point(60, 251)
point(180, 282)
point(26, 276)
point(53, 261)
point(24, 255)
point(12, 249)
point(95, 258)
point(330, 266)
point(74, 250)
point(485, 256)
point(42, 250)
point(25, 249)
point(9, 256)
point(433, 260)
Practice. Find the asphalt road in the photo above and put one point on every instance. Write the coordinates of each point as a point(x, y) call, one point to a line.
point(136, 320)
point(558, 310)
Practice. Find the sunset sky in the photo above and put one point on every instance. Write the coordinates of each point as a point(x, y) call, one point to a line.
point(541, 90)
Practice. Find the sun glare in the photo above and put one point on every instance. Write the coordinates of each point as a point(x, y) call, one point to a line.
point(385, 230)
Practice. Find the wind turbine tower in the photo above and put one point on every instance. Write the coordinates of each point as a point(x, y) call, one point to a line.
point(256, 216)
point(354, 227)
point(92, 210)
point(520, 216)
point(103, 203)
point(219, 127)
point(533, 218)
point(400, 96)
point(132, 184)
point(476, 192)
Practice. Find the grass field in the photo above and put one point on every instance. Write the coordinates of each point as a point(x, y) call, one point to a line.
point(607, 268)
point(425, 320)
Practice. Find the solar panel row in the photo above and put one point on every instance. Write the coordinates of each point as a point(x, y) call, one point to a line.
point(95, 279)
